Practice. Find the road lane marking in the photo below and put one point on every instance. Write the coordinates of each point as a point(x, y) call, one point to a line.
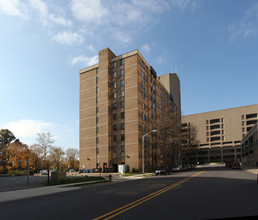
point(144, 199)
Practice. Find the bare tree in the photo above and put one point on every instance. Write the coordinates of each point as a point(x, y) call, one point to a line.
point(56, 156)
point(169, 139)
point(189, 142)
point(45, 141)
point(72, 155)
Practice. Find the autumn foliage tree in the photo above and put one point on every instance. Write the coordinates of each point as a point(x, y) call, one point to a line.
point(6, 138)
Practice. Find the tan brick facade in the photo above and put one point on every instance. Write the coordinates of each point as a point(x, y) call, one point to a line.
point(120, 98)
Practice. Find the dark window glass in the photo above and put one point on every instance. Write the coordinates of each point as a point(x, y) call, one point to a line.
point(114, 116)
point(122, 72)
point(122, 62)
point(122, 115)
point(122, 126)
point(122, 137)
point(114, 127)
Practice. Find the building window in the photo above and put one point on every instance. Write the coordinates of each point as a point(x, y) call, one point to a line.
point(114, 64)
point(114, 105)
point(243, 123)
point(122, 115)
point(114, 95)
point(122, 62)
point(97, 109)
point(147, 108)
point(122, 72)
point(97, 130)
point(114, 149)
point(122, 137)
point(143, 65)
point(142, 84)
point(143, 95)
point(143, 106)
point(123, 126)
point(242, 117)
point(122, 104)
point(114, 127)
point(243, 129)
point(97, 70)
point(114, 116)
point(143, 75)
point(114, 74)
point(97, 140)
point(114, 85)
point(97, 119)
point(123, 148)
point(97, 99)
point(114, 138)
point(122, 93)
point(207, 139)
point(97, 79)
point(143, 116)
point(97, 89)
point(143, 127)
point(122, 82)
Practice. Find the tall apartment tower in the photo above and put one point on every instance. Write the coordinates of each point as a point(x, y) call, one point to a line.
point(120, 98)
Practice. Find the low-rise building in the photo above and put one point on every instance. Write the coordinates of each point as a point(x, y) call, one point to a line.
point(220, 133)
point(249, 146)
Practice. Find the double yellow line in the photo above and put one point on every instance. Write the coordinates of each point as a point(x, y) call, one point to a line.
point(131, 205)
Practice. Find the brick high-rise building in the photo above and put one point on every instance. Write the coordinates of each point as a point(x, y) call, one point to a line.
point(120, 98)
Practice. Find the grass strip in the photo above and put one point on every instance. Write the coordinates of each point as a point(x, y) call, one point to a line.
point(73, 180)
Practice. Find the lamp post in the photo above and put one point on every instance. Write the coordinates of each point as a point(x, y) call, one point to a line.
point(153, 131)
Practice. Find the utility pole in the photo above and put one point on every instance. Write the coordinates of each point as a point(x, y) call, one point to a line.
point(28, 171)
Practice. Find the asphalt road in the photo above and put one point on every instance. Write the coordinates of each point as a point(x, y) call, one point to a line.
point(216, 193)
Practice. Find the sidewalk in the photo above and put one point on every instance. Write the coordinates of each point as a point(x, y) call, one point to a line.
point(40, 191)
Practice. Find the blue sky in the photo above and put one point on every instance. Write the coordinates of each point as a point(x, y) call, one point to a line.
point(212, 45)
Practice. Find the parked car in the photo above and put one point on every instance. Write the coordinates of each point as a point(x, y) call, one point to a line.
point(43, 172)
point(71, 170)
point(235, 165)
point(185, 167)
point(177, 168)
point(162, 171)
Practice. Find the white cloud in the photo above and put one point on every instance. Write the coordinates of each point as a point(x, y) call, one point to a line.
point(123, 37)
point(91, 48)
point(89, 11)
point(247, 26)
point(13, 8)
point(46, 17)
point(87, 61)
point(160, 60)
point(68, 38)
point(145, 48)
point(27, 128)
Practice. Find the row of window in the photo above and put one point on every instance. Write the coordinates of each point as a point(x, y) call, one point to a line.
point(122, 127)
point(122, 149)
point(122, 114)
point(122, 138)
point(122, 62)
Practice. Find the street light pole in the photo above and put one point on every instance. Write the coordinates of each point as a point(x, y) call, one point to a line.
point(153, 131)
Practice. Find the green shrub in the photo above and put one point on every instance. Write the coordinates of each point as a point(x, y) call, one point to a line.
point(135, 170)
